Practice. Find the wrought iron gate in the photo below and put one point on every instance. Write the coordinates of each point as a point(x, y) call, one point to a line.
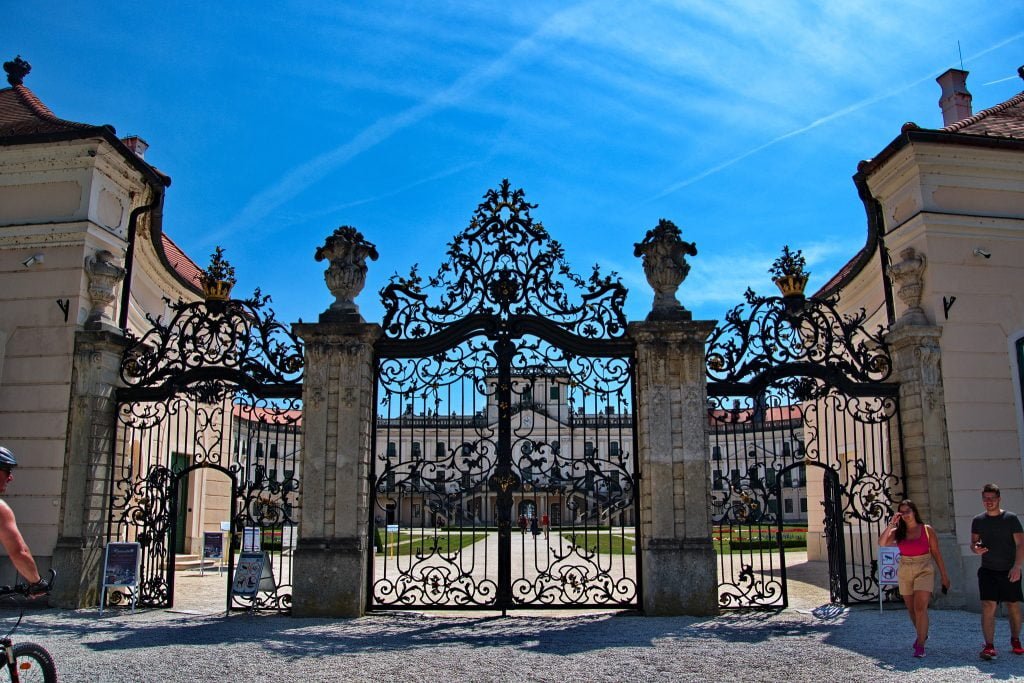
point(209, 430)
point(804, 436)
point(504, 446)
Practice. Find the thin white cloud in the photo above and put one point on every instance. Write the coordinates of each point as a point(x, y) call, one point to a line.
point(562, 24)
point(815, 124)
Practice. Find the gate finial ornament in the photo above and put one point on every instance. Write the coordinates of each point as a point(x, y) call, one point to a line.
point(664, 257)
point(347, 251)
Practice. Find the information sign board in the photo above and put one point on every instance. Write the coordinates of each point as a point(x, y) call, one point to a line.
point(121, 570)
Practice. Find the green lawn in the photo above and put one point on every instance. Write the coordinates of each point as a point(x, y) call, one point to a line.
point(404, 543)
point(745, 539)
point(595, 541)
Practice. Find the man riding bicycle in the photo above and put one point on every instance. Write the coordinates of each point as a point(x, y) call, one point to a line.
point(10, 536)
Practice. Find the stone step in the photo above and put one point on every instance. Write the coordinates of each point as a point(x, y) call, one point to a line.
point(194, 562)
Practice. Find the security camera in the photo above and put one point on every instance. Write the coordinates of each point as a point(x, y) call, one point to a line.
point(978, 251)
point(32, 260)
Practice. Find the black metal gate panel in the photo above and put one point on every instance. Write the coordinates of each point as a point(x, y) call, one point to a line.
point(805, 443)
point(504, 462)
point(209, 431)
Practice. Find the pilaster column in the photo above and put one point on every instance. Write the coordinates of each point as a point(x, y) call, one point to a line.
point(338, 417)
point(92, 432)
point(916, 359)
point(678, 560)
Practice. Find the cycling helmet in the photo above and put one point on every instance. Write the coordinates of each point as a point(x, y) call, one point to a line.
point(7, 458)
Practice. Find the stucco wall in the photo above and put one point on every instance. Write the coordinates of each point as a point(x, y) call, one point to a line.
point(947, 201)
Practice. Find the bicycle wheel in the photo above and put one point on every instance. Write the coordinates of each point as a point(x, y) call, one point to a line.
point(34, 664)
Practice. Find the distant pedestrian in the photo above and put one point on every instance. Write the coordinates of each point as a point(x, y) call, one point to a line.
point(534, 529)
point(522, 524)
point(998, 537)
point(545, 523)
point(918, 547)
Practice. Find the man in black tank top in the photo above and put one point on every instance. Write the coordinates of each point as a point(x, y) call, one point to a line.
point(998, 537)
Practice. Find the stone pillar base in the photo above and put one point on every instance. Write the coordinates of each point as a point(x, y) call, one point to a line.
point(963, 586)
point(78, 574)
point(329, 578)
point(680, 578)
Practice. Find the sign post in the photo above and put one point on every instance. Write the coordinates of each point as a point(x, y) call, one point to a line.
point(121, 570)
point(888, 570)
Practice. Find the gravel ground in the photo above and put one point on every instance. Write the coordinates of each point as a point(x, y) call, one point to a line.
point(858, 644)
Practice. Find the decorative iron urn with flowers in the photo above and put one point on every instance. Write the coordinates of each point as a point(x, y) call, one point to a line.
point(789, 272)
point(664, 258)
point(347, 250)
point(218, 278)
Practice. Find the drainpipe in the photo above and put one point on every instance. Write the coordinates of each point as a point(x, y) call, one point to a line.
point(157, 207)
point(876, 234)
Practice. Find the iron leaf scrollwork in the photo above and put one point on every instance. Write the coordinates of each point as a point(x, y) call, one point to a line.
point(231, 339)
point(506, 265)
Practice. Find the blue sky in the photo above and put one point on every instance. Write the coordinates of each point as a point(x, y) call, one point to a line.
point(742, 122)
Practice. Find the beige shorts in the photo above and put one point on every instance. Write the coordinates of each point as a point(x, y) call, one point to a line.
point(916, 574)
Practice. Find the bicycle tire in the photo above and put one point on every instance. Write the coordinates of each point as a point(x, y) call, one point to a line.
point(34, 664)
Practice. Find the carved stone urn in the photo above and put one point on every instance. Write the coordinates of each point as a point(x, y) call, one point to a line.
point(346, 250)
point(104, 276)
point(908, 275)
point(664, 259)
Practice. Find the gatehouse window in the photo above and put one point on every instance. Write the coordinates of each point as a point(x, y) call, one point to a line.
point(803, 505)
point(755, 480)
point(613, 449)
point(716, 480)
point(417, 449)
point(553, 393)
point(441, 450)
point(588, 449)
point(786, 450)
point(788, 505)
point(716, 452)
point(392, 449)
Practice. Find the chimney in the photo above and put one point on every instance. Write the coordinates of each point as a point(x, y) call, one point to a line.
point(955, 101)
point(138, 145)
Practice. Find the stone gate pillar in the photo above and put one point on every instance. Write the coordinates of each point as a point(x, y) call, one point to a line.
point(679, 575)
point(678, 560)
point(92, 431)
point(916, 355)
point(330, 568)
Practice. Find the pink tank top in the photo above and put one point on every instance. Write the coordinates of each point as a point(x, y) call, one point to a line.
point(916, 547)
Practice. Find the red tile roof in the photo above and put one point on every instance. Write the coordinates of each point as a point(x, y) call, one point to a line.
point(179, 260)
point(22, 113)
point(1004, 120)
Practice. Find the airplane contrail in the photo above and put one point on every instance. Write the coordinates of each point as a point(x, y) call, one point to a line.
point(825, 119)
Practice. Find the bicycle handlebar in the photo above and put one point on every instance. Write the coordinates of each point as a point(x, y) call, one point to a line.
point(41, 587)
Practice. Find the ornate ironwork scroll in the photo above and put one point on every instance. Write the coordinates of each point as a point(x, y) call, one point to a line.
point(804, 418)
point(209, 427)
point(235, 339)
point(503, 406)
point(504, 265)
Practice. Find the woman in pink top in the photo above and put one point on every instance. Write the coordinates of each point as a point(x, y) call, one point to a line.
point(917, 544)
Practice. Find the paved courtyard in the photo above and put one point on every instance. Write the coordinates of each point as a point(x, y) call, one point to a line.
point(822, 645)
point(808, 641)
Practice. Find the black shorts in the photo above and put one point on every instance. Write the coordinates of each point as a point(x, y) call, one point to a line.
point(995, 586)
